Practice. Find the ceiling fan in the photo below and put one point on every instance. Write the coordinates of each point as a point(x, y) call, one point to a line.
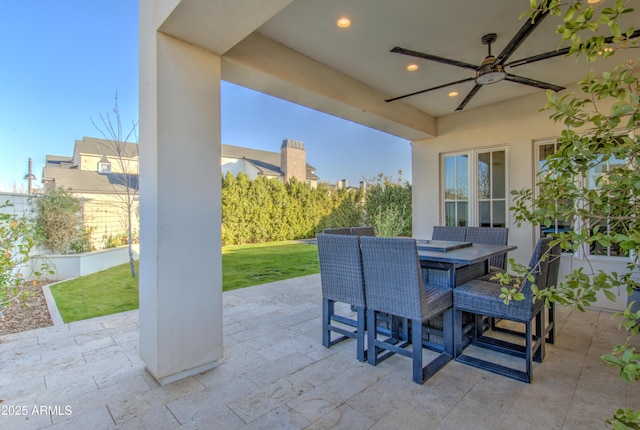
point(491, 70)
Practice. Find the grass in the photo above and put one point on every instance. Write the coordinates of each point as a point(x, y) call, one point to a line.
point(114, 290)
point(103, 293)
point(247, 265)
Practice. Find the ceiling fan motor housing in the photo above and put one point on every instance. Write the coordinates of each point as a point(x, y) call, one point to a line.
point(487, 73)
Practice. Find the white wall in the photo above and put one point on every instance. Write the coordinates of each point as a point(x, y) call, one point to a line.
point(74, 265)
point(515, 125)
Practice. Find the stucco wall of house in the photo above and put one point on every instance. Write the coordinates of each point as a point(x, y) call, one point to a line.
point(514, 125)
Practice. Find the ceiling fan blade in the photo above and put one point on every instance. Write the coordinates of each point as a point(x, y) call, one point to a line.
point(469, 96)
point(557, 53)
point(520, 37)
point(538, 57)
point(430, 57)
point(429, 89)
point(532, 82)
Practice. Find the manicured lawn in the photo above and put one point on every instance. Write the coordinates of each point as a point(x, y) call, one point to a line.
point(247, 265)
point(103, 293)
point(114, 290)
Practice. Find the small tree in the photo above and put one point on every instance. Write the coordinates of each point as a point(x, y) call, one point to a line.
point(126, 177)
point(599, 141)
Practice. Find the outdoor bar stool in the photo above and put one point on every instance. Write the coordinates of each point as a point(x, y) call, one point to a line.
point(342, 281)
point(394, 285)
point(482, 298)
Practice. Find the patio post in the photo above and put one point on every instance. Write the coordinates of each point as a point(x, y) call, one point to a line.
point(180, 257)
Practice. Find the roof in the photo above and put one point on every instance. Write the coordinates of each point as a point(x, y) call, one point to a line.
point(87, 181)
point(66, 174)
point(93, 145)
point(265, 161)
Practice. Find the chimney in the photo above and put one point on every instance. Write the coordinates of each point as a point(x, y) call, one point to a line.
point(293, 160)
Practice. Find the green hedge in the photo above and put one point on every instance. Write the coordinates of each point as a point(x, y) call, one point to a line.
point(266, 210)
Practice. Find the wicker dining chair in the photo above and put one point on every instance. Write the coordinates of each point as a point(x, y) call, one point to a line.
point(554, 255)
point(483, 298)
point(337, 230)
point(394, 285)
point(438, 275)
point(363, 231)
point(342, 280)
point(491, 236)
point(442, 232)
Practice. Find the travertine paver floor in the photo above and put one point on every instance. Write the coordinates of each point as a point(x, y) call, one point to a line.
point(276, 374)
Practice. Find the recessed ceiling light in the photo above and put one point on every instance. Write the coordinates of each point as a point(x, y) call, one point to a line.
point(412, 67)
point(344, 22)
point(453, 94)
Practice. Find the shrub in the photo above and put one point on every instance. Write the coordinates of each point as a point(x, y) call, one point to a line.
point(59, 222)
point(17, 239)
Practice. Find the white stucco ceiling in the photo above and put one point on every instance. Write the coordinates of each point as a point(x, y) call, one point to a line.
point(446, 28)
point(294, 50)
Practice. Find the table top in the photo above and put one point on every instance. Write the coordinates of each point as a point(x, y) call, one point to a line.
point(440, 245)
point(475, 253)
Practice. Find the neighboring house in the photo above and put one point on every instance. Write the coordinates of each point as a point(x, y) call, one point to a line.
point(97, 175)
point(290, 162)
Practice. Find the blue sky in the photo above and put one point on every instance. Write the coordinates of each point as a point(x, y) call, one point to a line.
point(63, 62)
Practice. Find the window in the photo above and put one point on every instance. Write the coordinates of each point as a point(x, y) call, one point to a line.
point(597, 174)
point(104, 166)
point(456, 190)
point(475, 192)
point(544, 149)
point(492, 192)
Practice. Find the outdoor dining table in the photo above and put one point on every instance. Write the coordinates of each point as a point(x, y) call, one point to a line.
point(472, 259)
point(451, 255)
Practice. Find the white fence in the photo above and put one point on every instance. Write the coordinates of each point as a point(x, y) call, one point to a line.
point(20, 204)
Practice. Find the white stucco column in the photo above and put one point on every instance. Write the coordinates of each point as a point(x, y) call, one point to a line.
point(180, 258)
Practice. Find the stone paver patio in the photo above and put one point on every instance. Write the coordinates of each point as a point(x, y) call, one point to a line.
point(276, 374)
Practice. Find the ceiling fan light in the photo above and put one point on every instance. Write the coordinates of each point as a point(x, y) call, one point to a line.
point(487, 74)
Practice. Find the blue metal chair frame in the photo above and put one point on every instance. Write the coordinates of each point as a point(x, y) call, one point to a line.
point(482, 298)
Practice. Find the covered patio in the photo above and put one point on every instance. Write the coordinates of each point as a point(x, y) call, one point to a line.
point(293, 49)
point(276, 374)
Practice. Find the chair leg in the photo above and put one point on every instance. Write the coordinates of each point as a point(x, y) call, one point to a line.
point(529, 355)
point(327, 313)
point(372, 353)
point(540, 350)
point(416, 355)
point(457, 333)
point(361, 352)
point(550, 331)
